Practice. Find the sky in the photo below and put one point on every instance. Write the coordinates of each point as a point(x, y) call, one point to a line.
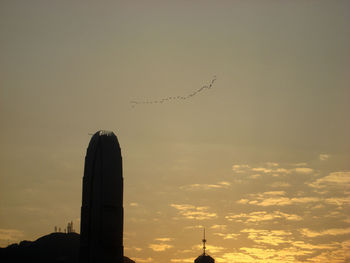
point(261, 159)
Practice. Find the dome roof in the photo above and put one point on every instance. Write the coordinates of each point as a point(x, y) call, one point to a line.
point(204, 258)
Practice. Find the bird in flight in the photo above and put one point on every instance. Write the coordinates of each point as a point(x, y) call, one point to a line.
point(168, 99)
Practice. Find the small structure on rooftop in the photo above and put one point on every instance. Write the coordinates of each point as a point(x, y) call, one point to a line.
point(204, 258)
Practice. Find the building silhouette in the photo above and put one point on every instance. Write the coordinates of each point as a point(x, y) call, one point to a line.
point(101, 228)
point(67, 230)
point(70, 227)
point(204, 258)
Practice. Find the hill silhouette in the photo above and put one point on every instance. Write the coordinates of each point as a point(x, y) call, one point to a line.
point(52, 248)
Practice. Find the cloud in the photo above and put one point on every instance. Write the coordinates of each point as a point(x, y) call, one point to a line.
point(303, 170)
point(285, 255)
point(254, 176)
point(193, 187)
point(337, 256)
point(243, 201)
point(282, 171)
point(274, 193)
point(278, 201)
point(342, 254)
point(235, 257)
point(274, 172)
point(138, 249)
point(210, 248)
point(276, 198)
point(324, 156)
point(332, 232)
point(163, 239)
point(193, 212)
point(290, 254)
point(179, 260)
point(280, 184)
point(194, 227)
point(304, 200)
point(255, 217)
point(159, 247)
point(221, 227)
point(338, 179)
point(143, 260)
point(271, 237)
point(303, 245)
point(224, 183)
point(227, 236)
point(300, 164)
point(339, 201)
point(262, 170)
point(287, 201)
point(272, 164)
point(10, 235)
point(319, 206)
point(182, 207)
point(240, 168)
point(271, 168)
point(184, 251)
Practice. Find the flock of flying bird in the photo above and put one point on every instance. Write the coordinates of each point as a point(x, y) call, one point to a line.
point(168, 99)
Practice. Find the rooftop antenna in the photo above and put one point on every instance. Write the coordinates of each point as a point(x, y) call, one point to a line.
point(204, 240)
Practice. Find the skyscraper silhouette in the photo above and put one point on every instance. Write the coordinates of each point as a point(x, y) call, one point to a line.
point(101, 226)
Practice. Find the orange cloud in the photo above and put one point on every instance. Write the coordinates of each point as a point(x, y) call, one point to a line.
point(159, 247)
point(192, 187)
point(180, 260)
point(271, 237)
point(259, 216)
point(221, 227)
point(210, 248)
point(333, 232)
point(276, 198)
point(303, 170)
point(227, 236)
point(324, 156)
point(143, 260)
point(192, 212)
point(163, 239)
point(340, 179)
point(12, 235)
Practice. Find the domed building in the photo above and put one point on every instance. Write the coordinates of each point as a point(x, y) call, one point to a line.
point(204, 258)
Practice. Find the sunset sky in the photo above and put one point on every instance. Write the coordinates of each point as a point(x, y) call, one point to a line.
point(261, 160)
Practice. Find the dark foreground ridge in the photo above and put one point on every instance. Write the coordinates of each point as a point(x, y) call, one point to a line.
point(52, 248)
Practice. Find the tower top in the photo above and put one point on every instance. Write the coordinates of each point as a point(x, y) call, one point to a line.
point(105, 133)
point(103, 137)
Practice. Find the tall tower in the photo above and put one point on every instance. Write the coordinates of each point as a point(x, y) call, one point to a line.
point(101, 227)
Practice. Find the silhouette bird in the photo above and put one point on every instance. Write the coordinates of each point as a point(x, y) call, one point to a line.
point(138, 102)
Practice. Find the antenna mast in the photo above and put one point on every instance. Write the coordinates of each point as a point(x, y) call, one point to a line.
point(204, 240)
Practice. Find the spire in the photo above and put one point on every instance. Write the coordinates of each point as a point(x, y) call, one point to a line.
point(204, 240)
point(204, 258)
